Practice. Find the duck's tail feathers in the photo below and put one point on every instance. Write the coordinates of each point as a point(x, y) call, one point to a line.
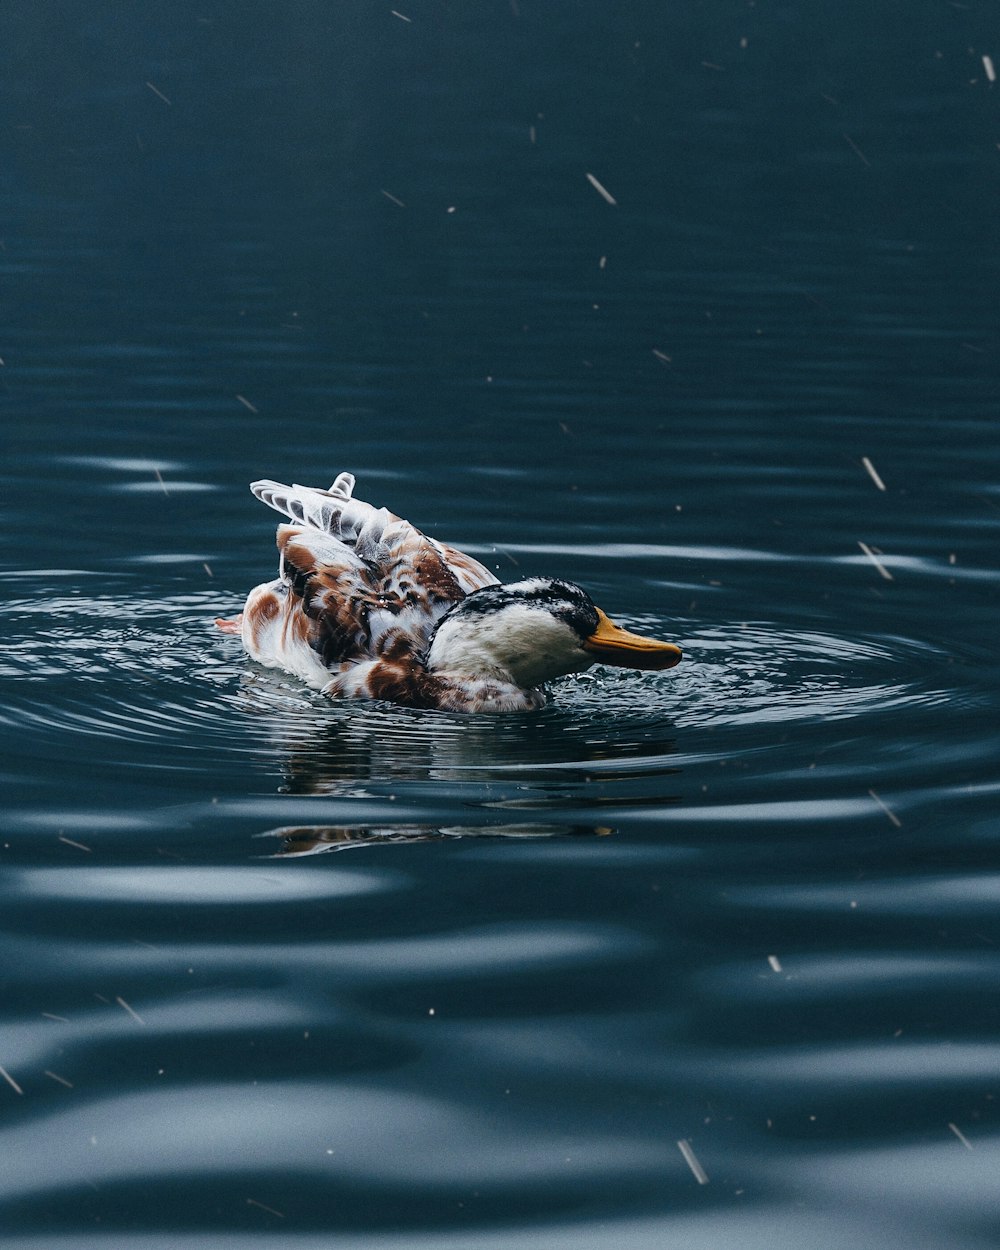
point(331, 511)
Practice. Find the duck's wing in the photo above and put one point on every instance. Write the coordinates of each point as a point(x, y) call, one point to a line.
point(374, 534)
point(368, 582)
point(331, 511)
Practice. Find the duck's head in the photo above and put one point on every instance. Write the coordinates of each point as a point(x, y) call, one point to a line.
point(533, 631)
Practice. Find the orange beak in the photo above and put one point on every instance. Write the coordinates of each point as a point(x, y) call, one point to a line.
point(611, 644)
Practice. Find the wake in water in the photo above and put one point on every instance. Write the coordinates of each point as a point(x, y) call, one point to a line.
point(154, 676)
point(144, 683)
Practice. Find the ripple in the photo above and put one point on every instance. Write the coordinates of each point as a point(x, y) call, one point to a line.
point(299, 840)
point(230, 886)
point(747, 674)
point(119, 464)
point(864, 975)
point(159, 487)
point(917, 565)
point(153, 1135)
point(149, 971)
point(154, 674)
point(937, 896)
point(782, 1073)
point(775, 1222)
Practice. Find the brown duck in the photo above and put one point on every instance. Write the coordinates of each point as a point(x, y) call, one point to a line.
point(365, 606)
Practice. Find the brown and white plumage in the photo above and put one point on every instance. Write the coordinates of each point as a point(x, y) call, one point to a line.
point(366, 606)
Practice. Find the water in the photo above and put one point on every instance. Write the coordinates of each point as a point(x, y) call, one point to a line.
point(278, 971)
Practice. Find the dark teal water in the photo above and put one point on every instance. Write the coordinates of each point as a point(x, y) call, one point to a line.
point(279, 972)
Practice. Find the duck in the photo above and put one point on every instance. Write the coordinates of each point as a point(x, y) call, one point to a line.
point(366, 606)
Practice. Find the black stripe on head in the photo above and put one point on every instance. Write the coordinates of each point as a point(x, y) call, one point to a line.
point(565, 600)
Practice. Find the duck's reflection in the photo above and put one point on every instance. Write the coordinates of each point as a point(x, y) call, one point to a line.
point(386, 745)
point(298, 840)
point(454, 768)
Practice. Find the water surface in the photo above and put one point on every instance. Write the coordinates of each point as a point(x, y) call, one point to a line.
point(284, 971)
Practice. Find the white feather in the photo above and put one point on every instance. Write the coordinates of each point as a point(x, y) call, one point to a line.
point(517, 642)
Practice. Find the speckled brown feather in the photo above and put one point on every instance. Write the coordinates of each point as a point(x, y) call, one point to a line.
point(359, 595)
point(363, 610)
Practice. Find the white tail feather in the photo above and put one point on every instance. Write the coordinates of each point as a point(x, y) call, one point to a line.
point(332, 511)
